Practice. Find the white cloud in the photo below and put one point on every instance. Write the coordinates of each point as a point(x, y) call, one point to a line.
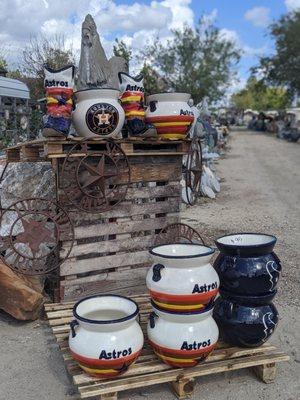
point(258, 16)
point(247, 51)
point(292, 5)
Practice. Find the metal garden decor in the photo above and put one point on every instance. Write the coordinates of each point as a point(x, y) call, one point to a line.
point(34, 228)
point(193, 171)
point(95, 180)
point(178, 233)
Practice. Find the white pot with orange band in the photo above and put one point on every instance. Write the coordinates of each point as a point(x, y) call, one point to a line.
point(105, 337)
point(98, 113)
point(182, 278)
point(170, 114)
point(182, 339)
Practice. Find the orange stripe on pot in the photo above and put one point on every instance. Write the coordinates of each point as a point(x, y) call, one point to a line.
point(196, 298)
point(171, 118)
point(185, 354)
point(96, 363)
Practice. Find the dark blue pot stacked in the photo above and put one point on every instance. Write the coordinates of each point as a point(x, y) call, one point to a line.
point(249, 271)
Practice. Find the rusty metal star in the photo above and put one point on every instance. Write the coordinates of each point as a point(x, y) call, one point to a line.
point(35, 233)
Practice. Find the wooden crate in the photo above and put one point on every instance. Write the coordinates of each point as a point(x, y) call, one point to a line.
point(110, 253)
point(149, 370)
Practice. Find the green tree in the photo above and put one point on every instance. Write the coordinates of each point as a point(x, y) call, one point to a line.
point(283, 68)
point(198, 61)
point(120, 49)
point(40, 51)
point(258, 96)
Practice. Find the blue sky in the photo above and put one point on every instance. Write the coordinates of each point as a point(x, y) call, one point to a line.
point(139, 21)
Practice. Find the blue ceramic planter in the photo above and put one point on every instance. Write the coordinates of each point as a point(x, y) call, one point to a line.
point(247, 264)
point(246, 321)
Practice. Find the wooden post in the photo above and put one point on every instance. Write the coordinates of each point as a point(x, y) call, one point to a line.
point(266, 372)
point(183, 387)
point(109, 396)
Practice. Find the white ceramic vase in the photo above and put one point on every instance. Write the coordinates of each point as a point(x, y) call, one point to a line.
point(170, 114)
point(105, 338)
point(98, 113)
point(182, 340)
point(182, 278)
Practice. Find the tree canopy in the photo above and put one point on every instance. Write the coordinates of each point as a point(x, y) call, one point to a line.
point(199, 61)
point(283, 68)
point(258, 96)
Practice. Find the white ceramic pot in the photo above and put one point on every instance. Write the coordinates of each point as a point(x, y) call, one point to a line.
point(170, 114)
point(182, 278)
point(182, 340)
point(105, 337)
point(98, 113)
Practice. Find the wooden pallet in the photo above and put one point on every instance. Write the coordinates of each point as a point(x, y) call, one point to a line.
point(110, 253)
point(47, 149)
point(148, 370)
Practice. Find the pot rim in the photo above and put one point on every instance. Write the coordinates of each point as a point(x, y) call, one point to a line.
point(248, 298)
point(272, 240)
point(97, 88)
point(105, 322)
point(211, 251)
point(197, 312)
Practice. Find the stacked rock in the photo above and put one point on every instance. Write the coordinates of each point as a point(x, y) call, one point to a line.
point(249, 271)
point(183, 286)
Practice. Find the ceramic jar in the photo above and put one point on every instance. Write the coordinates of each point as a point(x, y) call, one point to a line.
point(105, 338)
point(98, 113)
point(247, 264)
point(182, 339)
point(170, 114)
point(181, 278)
point(246, 321)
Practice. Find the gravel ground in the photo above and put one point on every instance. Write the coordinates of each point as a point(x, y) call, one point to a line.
point(260, 192)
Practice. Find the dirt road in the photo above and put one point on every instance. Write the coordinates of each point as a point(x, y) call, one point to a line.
point(261, 192)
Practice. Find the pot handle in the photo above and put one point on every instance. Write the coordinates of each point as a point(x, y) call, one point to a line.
point(72, 326)
point(152, 317)
point(152, 105)
point(277, 260)
point(156, 272)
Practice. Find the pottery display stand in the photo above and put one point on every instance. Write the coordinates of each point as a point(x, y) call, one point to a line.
point(149, 370)
point(110, 253)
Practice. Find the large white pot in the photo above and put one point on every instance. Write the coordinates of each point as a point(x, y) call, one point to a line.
point(170, 114)
point(105, 337)
point(182, 340)
point(98, 113)
point(182, 278)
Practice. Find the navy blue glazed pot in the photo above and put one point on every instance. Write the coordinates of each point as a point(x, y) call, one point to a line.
point(245, 321)
point(247, 264)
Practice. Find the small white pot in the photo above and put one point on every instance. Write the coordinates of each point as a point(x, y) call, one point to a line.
point(170, 114)
point(105, 337)
point(98, 113)
point(182, 340)
point(182, 278)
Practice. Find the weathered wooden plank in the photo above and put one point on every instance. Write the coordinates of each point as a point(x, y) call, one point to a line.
point(71, 267)
point(110, 246)
point(119, 227)
point(128, 209)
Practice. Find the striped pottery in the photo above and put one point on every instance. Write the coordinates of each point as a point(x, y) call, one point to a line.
point(182, 278)
point(105, 338)
point(182, 339)
point(170, 114)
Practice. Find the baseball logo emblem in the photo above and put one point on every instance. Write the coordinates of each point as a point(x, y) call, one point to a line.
point(102, 118)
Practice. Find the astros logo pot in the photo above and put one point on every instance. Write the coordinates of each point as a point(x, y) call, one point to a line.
point(105, 338)
point(182, 278)
point(182, 339)
point(98, 113)
point(170, 114)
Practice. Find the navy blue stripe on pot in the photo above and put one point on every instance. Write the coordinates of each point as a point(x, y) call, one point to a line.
point(242, 324)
